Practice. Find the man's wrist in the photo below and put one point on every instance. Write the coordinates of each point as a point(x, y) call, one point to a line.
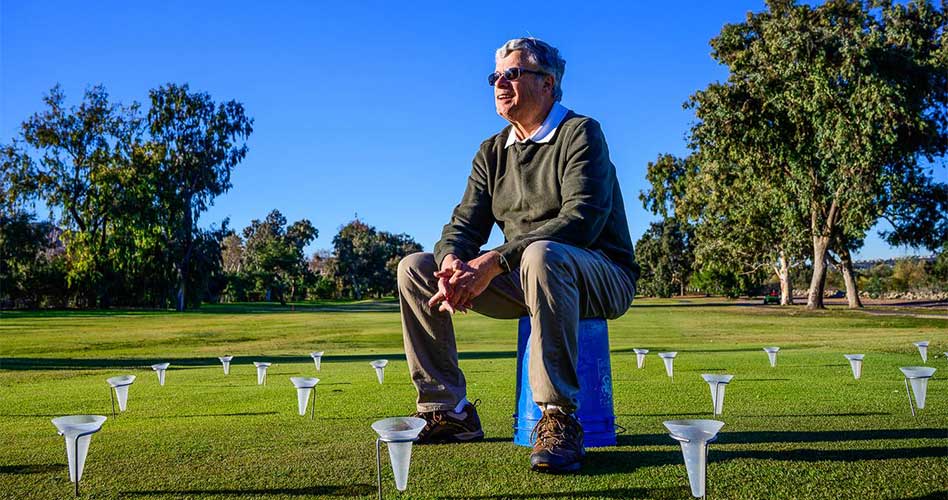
point(490, 263)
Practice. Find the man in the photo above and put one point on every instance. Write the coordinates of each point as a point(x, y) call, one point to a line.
point(547, 181)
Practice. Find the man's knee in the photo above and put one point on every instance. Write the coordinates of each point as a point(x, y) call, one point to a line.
point(542, 257)
point(417, 264)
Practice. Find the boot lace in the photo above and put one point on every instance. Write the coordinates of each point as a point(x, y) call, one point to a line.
point(553, 429)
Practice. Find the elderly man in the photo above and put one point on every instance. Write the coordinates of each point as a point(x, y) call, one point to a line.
point(547, 181)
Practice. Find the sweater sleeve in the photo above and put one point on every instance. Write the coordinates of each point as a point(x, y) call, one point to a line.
point(472, 219)
point(586, 193)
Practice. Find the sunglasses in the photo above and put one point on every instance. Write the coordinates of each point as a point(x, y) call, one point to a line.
point(510, 74)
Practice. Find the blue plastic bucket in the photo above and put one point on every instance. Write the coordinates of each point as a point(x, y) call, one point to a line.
point(595, 383)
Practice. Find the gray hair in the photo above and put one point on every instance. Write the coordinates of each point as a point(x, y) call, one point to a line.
point(543, 55)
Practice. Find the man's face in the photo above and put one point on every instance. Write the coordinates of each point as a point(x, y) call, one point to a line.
point(524, 97)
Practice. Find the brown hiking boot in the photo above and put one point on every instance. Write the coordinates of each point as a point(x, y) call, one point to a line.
point(449, 427)
point(559, 443)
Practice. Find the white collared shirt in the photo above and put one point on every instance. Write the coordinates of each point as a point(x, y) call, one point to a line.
point(547, 128)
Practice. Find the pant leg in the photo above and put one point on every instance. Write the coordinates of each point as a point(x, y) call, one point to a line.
point(561, 284)
point(428, 334)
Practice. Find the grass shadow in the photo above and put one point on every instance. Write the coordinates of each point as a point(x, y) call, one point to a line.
point(794, 437)
point(938, 495)
point(145, 364)
point(657, 493)
point(243, 414)
point(31, 468)
point(603, 461)
point(810, 455)
point(830, 436)
point(353, 490)
point(701, 414)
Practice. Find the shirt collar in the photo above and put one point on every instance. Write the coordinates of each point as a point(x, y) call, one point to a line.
point(547, 128)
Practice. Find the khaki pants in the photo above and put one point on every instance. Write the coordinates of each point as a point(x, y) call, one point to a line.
point(556, 285)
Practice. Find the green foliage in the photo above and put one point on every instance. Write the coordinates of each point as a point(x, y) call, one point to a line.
point(31, 271)
point(665, 256)
point(825, 117)
point(908, 274)
point(716, 279)
point(128, 192)
point(270, 256)
point(365, 260)
point(940, 267)
point(85, 162)
point(200, 143)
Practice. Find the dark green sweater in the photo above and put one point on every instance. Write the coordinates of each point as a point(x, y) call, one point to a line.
point(564, 190)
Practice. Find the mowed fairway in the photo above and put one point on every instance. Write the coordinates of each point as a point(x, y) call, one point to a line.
point(805, 429)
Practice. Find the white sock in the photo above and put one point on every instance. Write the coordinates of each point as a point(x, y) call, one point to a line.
point(461, 404)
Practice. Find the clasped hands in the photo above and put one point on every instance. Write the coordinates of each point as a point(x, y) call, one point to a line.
point(460, 282)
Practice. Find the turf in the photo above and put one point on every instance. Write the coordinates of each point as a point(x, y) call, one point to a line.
point(804, 429)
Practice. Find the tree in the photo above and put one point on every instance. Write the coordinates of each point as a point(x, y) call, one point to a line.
point(665, 257)
point(365, 261)
point(18, 179)
point(232, 253)
point(26, 270)
point(731, 225)
point(669, 251)
point(275, 252)
point(85, 161)
point(836, 106)
point(201, 142)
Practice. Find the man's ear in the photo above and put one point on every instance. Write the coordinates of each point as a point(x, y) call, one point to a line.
point(548, 82)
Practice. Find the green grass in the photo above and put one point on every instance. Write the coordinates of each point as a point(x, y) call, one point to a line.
point(804, 429)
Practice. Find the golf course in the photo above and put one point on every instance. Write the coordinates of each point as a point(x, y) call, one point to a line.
point(804, 428)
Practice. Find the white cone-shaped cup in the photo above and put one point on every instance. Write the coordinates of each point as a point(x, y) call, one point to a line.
point(918, 376)
point(640, 357)
point(695, 450)
point(399, 428)
point(317, 358)
point(261, 371)
point(717, 384)
point(669, 359)
point(772, 355)
point(70, 427)
point(922, 349)
point(855, 362)
point(160, 369)
point(303, 387)
point(379, 365)
point(120, 384)
point(225, 360)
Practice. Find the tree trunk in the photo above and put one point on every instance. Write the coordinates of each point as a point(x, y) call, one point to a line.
point(846, 266)
point(786, 289)
point(185, 262)
point(818, 281)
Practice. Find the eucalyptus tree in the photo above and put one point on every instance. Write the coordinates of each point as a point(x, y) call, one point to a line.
point(365, 260)
point(838, 108)
point(201, 142)
point(83, 166)
point(273, 251)
point(666, 251)
point(732, 221)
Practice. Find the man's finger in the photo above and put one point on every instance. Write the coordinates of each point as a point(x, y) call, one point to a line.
point(438, 297)
point(446, 306)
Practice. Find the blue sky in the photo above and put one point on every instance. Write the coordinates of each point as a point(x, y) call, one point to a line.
point(373, 108)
